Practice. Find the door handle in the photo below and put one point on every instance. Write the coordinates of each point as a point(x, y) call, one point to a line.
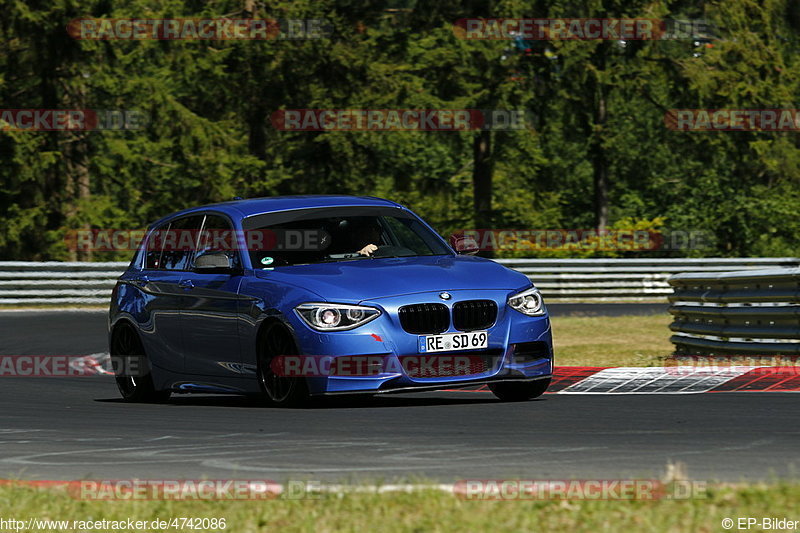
point(139, 281)
point(186, 284)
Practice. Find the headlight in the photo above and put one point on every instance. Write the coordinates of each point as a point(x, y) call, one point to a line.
point(335, 317)
point(528, 302)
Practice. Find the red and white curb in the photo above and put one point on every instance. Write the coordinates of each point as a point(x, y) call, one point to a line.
point(662, 380)
point(671, 380)
point(99, 363)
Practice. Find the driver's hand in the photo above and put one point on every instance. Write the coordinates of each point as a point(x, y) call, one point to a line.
point(367, 250)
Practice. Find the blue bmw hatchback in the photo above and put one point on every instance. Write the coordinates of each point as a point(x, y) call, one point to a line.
point(272, 296)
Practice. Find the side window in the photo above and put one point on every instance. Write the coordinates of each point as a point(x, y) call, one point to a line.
point(218, 236)
point(180, 243)
point(153, 247)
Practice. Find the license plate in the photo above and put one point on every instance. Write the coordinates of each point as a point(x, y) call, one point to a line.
point(449, 342)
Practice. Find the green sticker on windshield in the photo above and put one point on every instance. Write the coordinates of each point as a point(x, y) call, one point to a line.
point(267, 260)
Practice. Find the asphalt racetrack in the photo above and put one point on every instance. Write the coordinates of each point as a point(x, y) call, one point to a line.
point(74, 428)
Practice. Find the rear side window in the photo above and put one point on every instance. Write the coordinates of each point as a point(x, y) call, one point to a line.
point(218, 236)
point(180, 243)
point(153, 247)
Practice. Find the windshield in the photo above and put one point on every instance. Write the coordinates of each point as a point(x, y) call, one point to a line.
point(331, 235)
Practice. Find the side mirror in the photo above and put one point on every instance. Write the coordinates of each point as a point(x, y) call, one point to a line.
point(464, 245)
point(212, 262)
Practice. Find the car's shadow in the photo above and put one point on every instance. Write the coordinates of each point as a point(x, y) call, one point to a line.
point(345, 402)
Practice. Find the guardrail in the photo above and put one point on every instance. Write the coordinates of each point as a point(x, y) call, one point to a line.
point(743, 313)
point(57, 283)
point(626, 279)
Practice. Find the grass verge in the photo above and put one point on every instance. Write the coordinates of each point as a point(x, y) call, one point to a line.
point(612, 341)
point(423, 511)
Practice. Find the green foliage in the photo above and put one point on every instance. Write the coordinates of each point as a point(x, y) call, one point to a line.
point(595, 108)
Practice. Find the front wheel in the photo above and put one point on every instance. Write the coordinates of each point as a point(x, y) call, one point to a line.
point(131, 369)
point(519, 391)
point(280, 391)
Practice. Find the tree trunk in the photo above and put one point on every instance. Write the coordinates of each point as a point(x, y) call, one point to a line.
point(599, 160)
point(482, 179)
point(75, 149)
point(257, 139)
point(76, 160)
point(600, 166)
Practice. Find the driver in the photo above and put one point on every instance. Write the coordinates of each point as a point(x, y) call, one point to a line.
point(366, 235)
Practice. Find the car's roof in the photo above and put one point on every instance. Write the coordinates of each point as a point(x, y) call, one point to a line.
point(256, 206)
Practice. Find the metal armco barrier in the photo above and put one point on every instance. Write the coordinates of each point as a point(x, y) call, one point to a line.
point(52, 282)
point(746, 313)
point(616, 280)
point(621, 280)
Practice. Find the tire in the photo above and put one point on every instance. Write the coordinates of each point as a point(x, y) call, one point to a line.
point(127, 348)
point(519, 392)
point(279, 391)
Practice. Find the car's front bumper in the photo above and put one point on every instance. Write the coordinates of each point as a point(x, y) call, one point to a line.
point(384, 337)
point(423, 388)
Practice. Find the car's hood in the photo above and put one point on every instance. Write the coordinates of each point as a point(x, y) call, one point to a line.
point(366, 279)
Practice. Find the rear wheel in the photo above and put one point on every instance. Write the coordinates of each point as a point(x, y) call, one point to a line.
point(131, 368)
point(278, 390)
point(519, 391)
